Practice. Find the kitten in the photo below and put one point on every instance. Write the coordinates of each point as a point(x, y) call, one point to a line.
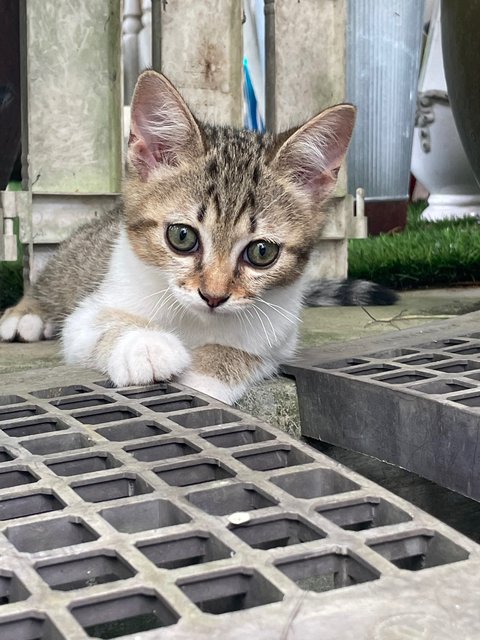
point(199, 275)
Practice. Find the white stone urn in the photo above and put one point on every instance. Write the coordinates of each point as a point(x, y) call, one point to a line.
point(438, 159)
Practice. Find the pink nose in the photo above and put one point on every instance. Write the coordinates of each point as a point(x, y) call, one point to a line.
point(212, 301)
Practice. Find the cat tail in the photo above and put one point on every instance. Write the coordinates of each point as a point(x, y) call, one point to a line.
point(347, 293)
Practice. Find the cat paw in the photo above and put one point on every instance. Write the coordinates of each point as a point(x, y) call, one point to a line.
point(142, 356)
point(25, 328)
point(211, 387)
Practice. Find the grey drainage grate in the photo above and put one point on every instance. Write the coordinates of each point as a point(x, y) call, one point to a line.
point(411, 398)
point(158, 512)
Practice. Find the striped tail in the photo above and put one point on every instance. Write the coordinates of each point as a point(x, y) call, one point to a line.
point(347, 293)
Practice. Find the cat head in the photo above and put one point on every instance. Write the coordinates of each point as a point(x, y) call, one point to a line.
point(226, 213)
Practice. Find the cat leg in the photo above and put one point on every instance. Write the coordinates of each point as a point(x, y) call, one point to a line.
point(123, 346)
point(25, 322)
point(225, 373)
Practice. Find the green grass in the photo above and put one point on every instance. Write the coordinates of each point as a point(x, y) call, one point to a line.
point(424, 254)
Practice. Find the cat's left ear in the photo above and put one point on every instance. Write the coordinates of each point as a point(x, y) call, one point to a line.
point(311, 157)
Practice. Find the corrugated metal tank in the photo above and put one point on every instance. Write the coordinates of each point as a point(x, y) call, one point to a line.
point(383, 55)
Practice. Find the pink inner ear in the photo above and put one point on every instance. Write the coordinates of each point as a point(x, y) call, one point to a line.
point(141, 155)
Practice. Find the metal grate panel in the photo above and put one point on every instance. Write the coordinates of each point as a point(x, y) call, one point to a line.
point(411, 398)
point(158, 512)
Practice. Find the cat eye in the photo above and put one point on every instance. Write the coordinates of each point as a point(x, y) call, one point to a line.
point(182, 238)
point(261, 253)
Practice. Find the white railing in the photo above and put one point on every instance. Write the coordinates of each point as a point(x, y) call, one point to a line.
point(136, 42)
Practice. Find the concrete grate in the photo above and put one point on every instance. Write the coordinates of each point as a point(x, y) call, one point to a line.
point(411, 398)
point(158, 512)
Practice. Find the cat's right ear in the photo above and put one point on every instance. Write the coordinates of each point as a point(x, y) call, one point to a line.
point(162, 131)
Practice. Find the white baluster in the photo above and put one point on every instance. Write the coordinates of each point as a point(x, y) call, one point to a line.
point(132, 25)
point(145, 36)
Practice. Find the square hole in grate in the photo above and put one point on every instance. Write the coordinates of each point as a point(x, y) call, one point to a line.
point(345, 363)
point(143, 516)
point(11, 399)
point(231, 498)
point(88, 463)
point(34, 427)
point(6, 455)
point(180, 403)
point(441, 343)
point(100, 416)
point(78, 572)
point(404, 378)
point(420, 551)
point(440, 387)
point(57, 392)
point(467, 350)
point(185, 551)
point(29, 626)
point(232, 591)
point(15, 477)
point(371, 370)
point(325, 572)
point(151, 391)
point(389, 354)
point(277, 531)
point(132, 431)
point(197, 472)
point(314, 483)
point(472, 401)
point(29, 505)
point(24, 411)
point(422, 358)
point(50, 534)
point(205, 418)
point(162, 450)
point(57, 443)
point(368, 513)
point(230, 437)
point(11, 589)
point(119, 616)
point(273, 457)
point(68, 404)
point(456, 366)
point(113, 488)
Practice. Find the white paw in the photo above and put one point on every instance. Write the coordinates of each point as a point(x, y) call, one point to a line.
point(212, 387)
point(28, 328)
point(141, 356)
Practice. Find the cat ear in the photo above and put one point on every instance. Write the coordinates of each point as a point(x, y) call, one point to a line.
point(162, 130)
point(311, 157)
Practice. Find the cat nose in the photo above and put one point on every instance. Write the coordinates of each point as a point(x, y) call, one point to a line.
point(213, 301)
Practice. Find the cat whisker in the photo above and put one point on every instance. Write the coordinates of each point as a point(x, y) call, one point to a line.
point(238, 313)
point(254, 308)
point(150, 295)
point(269, 321)
point(167, 296)
point(293, 319)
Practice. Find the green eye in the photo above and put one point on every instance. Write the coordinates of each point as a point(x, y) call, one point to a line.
point(182, 238)
point(261, 253)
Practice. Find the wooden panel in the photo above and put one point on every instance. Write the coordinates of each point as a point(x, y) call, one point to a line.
point(202, 55)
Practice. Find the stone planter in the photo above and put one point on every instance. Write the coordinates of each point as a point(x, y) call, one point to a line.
point(439, 161)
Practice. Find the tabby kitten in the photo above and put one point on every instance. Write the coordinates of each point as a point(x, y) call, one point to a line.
point(199, 276)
